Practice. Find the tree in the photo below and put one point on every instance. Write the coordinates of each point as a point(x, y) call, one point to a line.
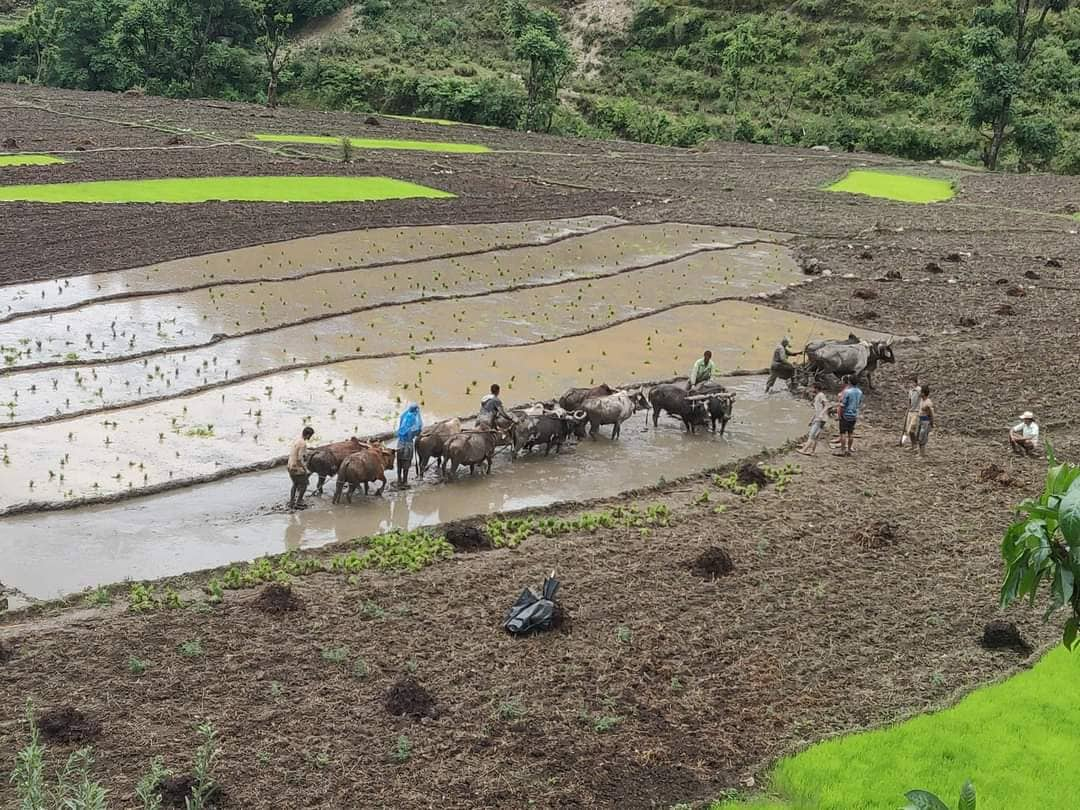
point(1002, 39)
point(1044, 547)
point(538, 40)
point(39, 33)
point(273, 41)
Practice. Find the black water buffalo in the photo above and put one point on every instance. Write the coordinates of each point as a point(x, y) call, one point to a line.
point(573, 399)
point(549, 428)
point(674, 399)
point(842, 358)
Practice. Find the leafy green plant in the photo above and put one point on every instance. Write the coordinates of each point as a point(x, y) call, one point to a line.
point(142, 598)
point(923, 800)
point(510, 709)
point(1043, 546)
point(402, 750)
point(605, 722)
point(396, 550)
point(148, 790)
point(29, 774)
point(137, 666)
point(192, 648)
point(206, 756)
point(335, 655)
point(99, 597)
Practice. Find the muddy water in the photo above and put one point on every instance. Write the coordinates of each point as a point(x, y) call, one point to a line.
point(162, 442)
point(212, 524)
point(522, 316)
point(123, 328)
point(291, 258)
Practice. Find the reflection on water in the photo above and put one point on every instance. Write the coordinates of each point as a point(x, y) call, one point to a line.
point(241, 518)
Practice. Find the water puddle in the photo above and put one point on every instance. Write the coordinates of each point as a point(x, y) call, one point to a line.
point(295, 257)
point(522, 316)
point(48, 554)
point(204, 434)
point(124, 328)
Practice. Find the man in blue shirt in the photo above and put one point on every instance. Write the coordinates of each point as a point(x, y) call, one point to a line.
point(850, 403)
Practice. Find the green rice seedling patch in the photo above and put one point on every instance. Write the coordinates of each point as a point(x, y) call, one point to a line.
point(1034, 712)
point(890, 186)
point(29, 160)
point(224, 189)
point(375, 143)
point(419, 119)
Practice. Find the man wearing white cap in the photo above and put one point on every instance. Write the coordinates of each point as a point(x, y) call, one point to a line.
point(1024, 437)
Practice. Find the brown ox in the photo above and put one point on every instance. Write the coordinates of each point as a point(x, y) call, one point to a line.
point(364, 467)
point(324, 461)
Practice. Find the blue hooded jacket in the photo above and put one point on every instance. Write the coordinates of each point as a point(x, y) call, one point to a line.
point(409, 425)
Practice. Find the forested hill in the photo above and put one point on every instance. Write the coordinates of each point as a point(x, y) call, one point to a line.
point(920, 79)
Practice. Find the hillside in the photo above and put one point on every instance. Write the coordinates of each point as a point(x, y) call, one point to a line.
point(877, 75)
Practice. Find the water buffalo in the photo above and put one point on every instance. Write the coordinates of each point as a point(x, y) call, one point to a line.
point(675, 400)
point(472, 447)
point(613, 409)
point(573, 399)
point(431, 443)
point(324, 461)
point(549, 428)
point(364, 467)
point(844, 357)
point(720, 402)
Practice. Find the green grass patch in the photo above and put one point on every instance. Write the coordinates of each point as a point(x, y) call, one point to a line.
point(29, 160)
point(889, 186)
point(419, 119)
point(231, 189)
point(1014, 740)
point(375, 143)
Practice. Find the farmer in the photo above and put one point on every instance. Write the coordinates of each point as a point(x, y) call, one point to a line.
point(817, 421)
point(927, 417)
point(780, 367)
point(298, 470)
point(702, 371)
point(410, 424)
point(911, 420)
point(491, 408)
point(850, 403)
point(1024, 437)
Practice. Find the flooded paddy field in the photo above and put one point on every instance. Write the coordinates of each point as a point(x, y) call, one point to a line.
point(243, 517)
point(714, 262)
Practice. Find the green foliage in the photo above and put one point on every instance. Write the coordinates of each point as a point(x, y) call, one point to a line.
point(402, 750)
point(396, 550)
point(148, 789)
point(280, 568)
point(206, 756)
point(510, 532)
point(192, 648)
point(923, 800)
point(1044, 547)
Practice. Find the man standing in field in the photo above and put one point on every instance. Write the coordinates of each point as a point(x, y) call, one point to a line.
point(850, 403)
point(298, 470)
point(780, 367)
point(410, 423)
point(817, 421)
point(702, 371)
point(1024, 437)
point(911, 421)
point(927, 418)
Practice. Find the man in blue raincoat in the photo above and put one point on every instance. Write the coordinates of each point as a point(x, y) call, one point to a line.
point(409, 426)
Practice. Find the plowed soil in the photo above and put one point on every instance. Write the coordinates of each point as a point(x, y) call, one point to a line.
point(668, 687)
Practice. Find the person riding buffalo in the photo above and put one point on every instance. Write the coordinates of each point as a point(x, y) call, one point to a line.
point(491, 409)
point(780, 367)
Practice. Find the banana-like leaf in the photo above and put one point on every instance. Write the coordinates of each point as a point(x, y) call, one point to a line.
point(1069, 515)
point(923, 800)
point(967, 796)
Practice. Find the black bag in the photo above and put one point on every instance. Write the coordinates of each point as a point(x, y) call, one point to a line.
point(531, 612)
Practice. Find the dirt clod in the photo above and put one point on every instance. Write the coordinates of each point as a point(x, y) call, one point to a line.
point(968, 321)
point(866, 315)
point(10, 143)
point(1002, 635)
point(7, 651)
point(866, 254)
point(1053, 263)
point(1032, 275)
point(277, 598)
point(810, 266)
point(879, 534)
point(176, 790)
point(991, 472)
point(894, 275)
point(67, 725)
point(467, 538)
point(1016, 292)
point(864, 294)
point(174, 140)
point(953, 257)
point(933, 267)
point(1004, 309)
point(372, 121)
point(752, 474)
point(407, 698)
point(712, 564)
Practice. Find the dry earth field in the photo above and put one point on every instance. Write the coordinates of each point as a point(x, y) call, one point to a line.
point(819, 629)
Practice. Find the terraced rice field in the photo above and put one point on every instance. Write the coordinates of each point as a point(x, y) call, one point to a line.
point(375, 143)
point(894, 186)
point(234, 189)
point(29, 160)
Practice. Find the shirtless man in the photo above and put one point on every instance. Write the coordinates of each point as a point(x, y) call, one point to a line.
point(927, 417)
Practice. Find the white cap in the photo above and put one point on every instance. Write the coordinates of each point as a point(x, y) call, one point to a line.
point(1027, 415)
